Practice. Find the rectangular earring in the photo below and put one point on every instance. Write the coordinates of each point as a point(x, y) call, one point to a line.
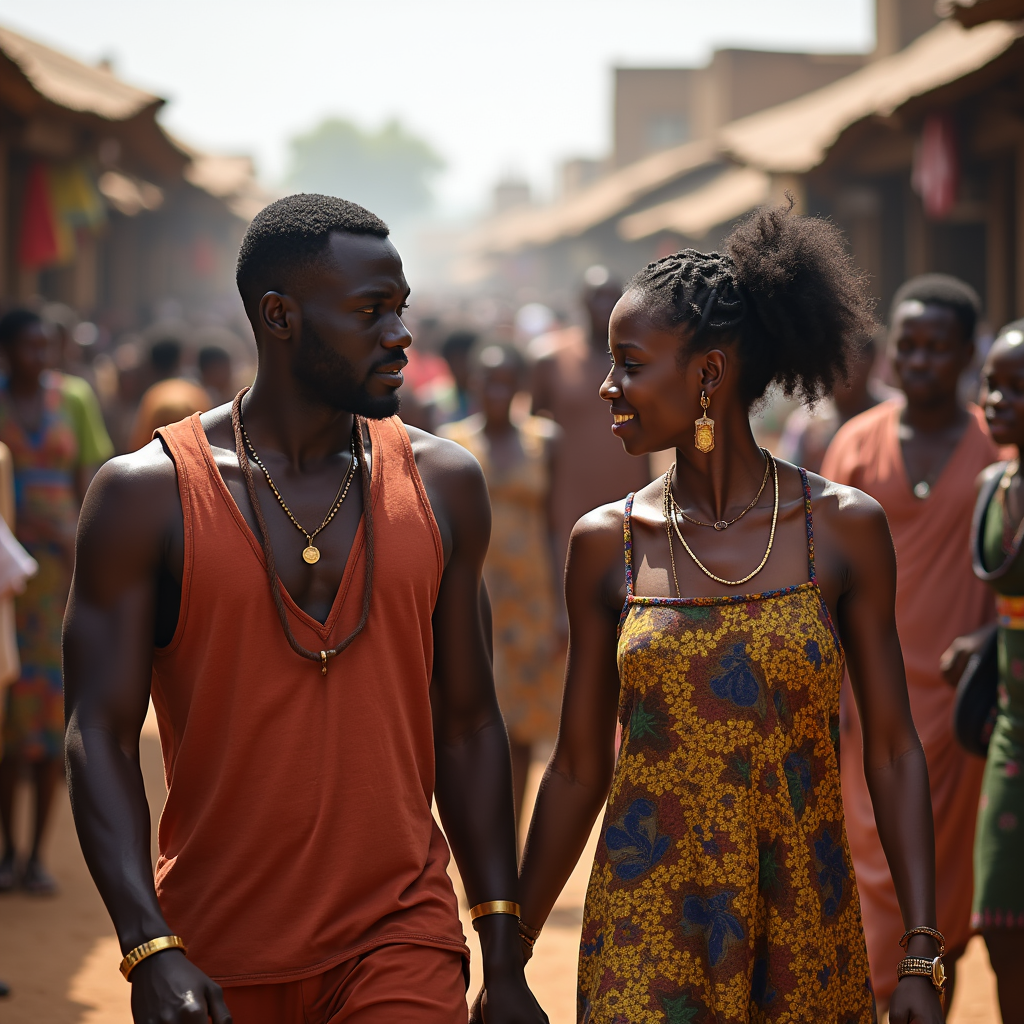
point(704, 428)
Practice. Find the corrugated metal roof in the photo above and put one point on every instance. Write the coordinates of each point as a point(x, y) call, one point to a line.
point(796, 136)
point(733, 193)
point(73, 85)
point(606, 197)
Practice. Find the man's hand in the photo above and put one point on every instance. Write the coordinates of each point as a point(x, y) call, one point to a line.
point(915, 1001)
point(960, 651)
point(507, 1001)
point(167, 989)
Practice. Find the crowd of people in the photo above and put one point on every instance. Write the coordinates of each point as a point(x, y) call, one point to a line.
point(776, 733)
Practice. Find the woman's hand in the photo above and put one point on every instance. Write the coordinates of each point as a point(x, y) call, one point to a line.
point(915, 1001)
point(960, 651)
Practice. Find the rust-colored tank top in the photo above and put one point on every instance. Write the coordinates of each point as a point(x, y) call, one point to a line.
point(297, 830)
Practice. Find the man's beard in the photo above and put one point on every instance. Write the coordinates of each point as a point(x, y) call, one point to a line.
point(327, 378)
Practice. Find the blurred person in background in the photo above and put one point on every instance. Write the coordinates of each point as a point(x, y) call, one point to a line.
point(76, 379)
point(165, 359)
point(457, 351)
point(167, 401)
point(124, 392)
point(919, 457)
point(521, 584)
point(809, 429)
point(998, 908)
point(215, 374)
point(591, 468)
point(39, 425)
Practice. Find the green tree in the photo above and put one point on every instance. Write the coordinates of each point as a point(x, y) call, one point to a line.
point(388, 171)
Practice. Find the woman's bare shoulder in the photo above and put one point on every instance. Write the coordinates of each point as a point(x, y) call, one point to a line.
point(846, 509)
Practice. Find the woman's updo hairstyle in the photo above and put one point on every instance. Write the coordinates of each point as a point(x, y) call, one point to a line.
point(786, 290)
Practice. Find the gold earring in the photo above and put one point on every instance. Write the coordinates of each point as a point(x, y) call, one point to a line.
point(704, 428)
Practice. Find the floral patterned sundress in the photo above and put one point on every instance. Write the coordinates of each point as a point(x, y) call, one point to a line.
point(723, 888)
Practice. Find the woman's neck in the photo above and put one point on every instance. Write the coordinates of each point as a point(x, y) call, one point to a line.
point(723, 480)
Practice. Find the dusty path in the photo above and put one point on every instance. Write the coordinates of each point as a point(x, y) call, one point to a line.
point(60, 955)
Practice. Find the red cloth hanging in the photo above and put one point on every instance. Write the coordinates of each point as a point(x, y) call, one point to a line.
point(38, 245)
point(936, 172)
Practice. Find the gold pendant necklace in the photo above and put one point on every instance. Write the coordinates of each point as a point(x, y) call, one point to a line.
point(669, 508)
point(724, 524)
point(310, 553)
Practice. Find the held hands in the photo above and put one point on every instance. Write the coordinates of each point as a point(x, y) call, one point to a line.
point(166, 988)
point(915, 1001)
point(505, 997)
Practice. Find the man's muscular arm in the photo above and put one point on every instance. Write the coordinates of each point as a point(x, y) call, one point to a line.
point(125, 533)
point(474, 769)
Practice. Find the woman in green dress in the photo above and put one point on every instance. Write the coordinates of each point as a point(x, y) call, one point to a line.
point(998, 911)
point(711, 613)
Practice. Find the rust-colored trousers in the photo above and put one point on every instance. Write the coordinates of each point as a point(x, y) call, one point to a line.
point(401, 983)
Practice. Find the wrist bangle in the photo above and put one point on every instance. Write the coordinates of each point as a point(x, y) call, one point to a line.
point(135, 956)
point(933, 933)
point(493, 907)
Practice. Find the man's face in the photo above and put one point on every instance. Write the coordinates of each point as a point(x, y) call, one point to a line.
point(351, 348)
point(929, 352)
point(599, 303)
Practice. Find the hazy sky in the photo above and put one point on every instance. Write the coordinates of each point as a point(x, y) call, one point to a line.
point(495, 87)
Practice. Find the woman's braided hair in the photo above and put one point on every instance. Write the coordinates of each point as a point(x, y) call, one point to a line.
point(785, 290)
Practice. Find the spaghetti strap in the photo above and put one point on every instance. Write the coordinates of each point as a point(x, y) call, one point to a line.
point(627, 539)
point(810, 525)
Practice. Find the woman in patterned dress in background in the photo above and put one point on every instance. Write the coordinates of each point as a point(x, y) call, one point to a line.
point(37, 424)
point(520, 577)
point(723, 889)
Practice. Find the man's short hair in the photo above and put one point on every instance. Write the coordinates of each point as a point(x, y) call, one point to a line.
point(14, 322)
point(942, 290)
point(291, 236)
point(211, 355)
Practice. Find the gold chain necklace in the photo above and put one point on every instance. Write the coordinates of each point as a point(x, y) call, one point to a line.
point(310, 553)
point(669, 508)
point(724, 524)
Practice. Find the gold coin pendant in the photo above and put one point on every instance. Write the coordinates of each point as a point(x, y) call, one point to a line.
point(311, 555)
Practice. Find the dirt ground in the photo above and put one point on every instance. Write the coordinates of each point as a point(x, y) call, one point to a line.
point(60, 956)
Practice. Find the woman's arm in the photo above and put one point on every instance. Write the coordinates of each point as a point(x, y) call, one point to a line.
point(579, 774)
point(894, 761)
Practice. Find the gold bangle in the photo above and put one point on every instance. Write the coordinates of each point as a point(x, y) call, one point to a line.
point(135, 956)
point(494, 907)
point(933, 933)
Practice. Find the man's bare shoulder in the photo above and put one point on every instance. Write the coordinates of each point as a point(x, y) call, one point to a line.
point(132, 504)
point(439, 456)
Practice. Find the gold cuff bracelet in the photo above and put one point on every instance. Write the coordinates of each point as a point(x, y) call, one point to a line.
point(135, 956)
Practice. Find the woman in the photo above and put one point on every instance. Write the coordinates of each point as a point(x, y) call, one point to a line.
point(722, 888)
point(998, 910)
point(38, 425)
point(516, 459)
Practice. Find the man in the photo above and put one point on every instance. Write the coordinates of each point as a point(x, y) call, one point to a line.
point(919, 458)
point(296, 674)
point(570, 365)
point(809, 429)
point(216, 372)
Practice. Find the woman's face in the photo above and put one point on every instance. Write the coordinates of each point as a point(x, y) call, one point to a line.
point(654, 394)
point(31, 352)
point(496, 387)
point(1002, 389)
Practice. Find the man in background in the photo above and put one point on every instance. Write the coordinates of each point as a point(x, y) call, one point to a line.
point(591, 468)
point(919, 456)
